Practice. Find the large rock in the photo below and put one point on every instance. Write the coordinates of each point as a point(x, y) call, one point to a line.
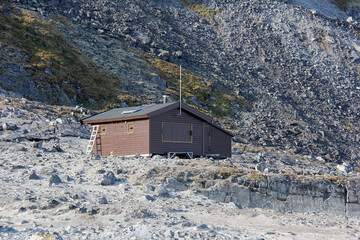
point(108, 179)
point(176, 184)
point(34, 176)
point(54, 179)
point(9, 126)
point(161, 191)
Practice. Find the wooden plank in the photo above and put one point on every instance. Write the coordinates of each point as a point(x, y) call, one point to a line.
point(119, 141)
point(160, 147)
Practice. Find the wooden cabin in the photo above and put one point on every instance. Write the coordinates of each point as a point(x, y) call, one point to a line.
point(157, 129)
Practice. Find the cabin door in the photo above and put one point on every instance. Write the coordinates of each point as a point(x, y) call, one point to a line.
point(207, 139)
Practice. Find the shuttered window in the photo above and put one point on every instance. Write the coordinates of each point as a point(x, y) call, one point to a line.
point(177, 132)
point(102, 130)
point(130, 128)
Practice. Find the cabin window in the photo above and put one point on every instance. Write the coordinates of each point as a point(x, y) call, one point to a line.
point(102, 130)
point(177, 132)
point(130, 128)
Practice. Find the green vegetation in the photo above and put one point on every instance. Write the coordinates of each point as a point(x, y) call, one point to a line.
point(204, 11)
point(45, 47)
point(344, 4)
point(218, 99)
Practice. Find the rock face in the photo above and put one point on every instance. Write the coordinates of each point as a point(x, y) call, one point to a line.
point(285, 193)
point(281, 194)
point(298, 69)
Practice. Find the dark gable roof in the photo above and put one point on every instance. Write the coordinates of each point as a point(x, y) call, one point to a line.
point(118, 114)
point(145, 111)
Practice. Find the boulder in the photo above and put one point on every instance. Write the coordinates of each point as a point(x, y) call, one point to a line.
point(54, 179)
point(57, 148)
point(343, 168)
point(202, 227)
point(34, 176)
point(161, 191)
point(178, 54)
point(103, 200)
point(176, 184)
point(108, 179)
point(9, 126)
point(262, 167)
point(164, 55)
point(149, 198)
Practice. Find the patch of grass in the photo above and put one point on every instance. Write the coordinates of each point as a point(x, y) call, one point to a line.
point(351, 128)
point(187, 3)
point(344, 4)
point(46, 47)
point(203, 10)
point(255, 175)
point(219, 101)
point(225, 172)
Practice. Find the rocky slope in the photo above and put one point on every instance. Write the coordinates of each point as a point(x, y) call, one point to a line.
point(328, 8)
point(51, 189)
point(285, 76)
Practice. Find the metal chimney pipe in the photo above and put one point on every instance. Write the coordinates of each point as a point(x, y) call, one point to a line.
point(165, 98)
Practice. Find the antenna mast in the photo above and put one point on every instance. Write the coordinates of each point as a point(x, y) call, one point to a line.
point(180, 90)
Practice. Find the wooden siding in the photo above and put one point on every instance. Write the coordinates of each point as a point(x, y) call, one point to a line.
point(176, 132)
point(157, 146)
point(123, 138)
point(206, 139)
point(219, 142)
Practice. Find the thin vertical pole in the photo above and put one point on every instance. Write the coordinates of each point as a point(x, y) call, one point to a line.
point(180, 90)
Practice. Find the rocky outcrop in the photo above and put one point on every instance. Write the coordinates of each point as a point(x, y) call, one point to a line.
point(336, 196)
point(353, 197)
point(284, 195)
point(21, 119)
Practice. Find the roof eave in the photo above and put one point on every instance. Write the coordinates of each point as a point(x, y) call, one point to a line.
point(115, 119)
point(205, 118)
point(192, 111)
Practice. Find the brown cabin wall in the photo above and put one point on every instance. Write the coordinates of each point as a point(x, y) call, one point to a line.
point(157, 146)
point(220, 142)
point(118, 141)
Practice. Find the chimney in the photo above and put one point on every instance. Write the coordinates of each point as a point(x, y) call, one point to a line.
point(165, 98)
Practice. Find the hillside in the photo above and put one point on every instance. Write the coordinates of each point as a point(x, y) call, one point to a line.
point(282, 76)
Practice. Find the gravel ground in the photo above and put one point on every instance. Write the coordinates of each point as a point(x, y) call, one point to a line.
point(80, 204)
point(51, 189)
